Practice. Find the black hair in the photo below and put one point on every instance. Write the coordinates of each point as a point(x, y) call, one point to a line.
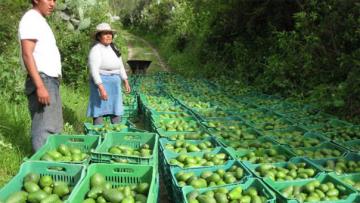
point(115, 49)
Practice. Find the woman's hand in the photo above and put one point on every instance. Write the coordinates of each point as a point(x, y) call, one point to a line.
point(127, 86)
point(103, 94)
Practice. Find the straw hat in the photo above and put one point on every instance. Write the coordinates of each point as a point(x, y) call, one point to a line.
point(104, 27)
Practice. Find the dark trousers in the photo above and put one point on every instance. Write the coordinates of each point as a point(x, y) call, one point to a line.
point(45, 119)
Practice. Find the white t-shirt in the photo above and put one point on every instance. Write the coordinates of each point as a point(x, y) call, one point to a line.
point(46, 54)
point(103, 60)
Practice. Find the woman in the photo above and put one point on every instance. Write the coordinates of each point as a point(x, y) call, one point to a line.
point(107, 71)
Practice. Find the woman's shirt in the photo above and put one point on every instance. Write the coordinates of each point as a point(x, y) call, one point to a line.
point(103, 60)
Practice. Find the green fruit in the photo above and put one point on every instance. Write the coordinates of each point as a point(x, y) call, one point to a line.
point(235, 194)
point(61, 189)
point(17, 197)
point(142, 188)
point(46, 181)
point(140, 198)
point(113, 195)
point(221, 198)
point(256, 199)
point(332, 192)
point(48, 189)
point(74, 150)
point(198, 183)
point(214, 178)
point(100, 199)
point(37, 196)
point(50, 199)
point(32, 177)
point(76, 157)
point(206, 199)
point(245, 199)
point(54, 154)
point(128, 199)
point(64, 149)
point(192, 195)
point(95, 192)
point(97, 180)
point(206, 174)
point(89, 200)
point(31, 187)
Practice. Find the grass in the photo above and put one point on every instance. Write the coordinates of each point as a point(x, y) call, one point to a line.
point(74, 103)
point(15, 140)
point(15, 143)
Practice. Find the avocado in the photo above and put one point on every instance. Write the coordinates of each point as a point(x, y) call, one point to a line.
point(17, 197)
point(142, 188)
point(32, 177)
point(97, 179)
point(206, 199)
point(46, 181)
point(61, 189)
point(31, 187)
point(128, 199)
point(37, 196)
point(50, 199)
point(113, 195)
point(89, 200)
point(221, 198)
point(95, 192)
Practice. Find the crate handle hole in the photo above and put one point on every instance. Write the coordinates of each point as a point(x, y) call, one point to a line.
point(76, 140)
point(56, 168)
point(123, 170)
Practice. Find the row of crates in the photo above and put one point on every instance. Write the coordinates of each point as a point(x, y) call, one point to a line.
point(250, 116)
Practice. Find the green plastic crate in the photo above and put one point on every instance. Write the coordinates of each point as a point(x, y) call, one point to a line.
point(326, 145)
point(353, 177)
point(198, 171)
point(71, 174)
point(240, 145)
point(212, 140)
point(235, 134)
point(353, 145)
point(170, 155)
point(277, 187)
point(332, 123)
point(299, 141)
point(131, 139)
point(279, 124)
point(344, 135)
point(160, 116)
point(289, 132)
point(85, 143)
point(321, 163)
point(204, 114)
point(90, 129)
point(253, 182)
point(119, 175)
point(184, 135)
point(295, 160)
point(226, 121)
point(157, 127)
point(280, 150)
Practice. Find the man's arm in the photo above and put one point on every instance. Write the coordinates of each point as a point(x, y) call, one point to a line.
point(28, 47)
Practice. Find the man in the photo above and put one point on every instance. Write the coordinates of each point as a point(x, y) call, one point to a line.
point(41, 58)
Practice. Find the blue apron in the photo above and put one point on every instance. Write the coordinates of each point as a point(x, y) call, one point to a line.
point(114, 104)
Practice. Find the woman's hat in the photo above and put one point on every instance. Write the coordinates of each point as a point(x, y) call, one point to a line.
point(104, 27)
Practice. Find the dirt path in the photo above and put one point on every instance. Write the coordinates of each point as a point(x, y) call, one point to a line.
point(139, 48)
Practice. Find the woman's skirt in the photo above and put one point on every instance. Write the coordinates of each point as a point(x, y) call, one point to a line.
point(114, 104)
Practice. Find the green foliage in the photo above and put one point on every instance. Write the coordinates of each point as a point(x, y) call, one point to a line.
point(303, 49)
